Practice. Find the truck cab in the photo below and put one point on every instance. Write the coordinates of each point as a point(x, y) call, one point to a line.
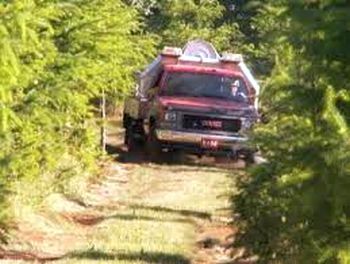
point(203, 104)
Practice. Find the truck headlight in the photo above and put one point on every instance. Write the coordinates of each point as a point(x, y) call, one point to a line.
point(170, 116)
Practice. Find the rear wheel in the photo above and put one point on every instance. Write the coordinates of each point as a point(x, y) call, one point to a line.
point(131, 140)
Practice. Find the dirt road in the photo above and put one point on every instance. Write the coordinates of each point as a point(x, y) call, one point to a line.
point(175, 211)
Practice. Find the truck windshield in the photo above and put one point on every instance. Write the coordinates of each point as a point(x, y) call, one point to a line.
point(205, 85)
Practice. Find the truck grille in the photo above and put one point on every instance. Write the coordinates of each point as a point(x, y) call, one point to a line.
point(211, 123)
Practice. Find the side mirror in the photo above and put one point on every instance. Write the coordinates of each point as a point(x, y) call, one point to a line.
point(141, 94)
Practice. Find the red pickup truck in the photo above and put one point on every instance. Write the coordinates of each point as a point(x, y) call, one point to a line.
point(193, 100)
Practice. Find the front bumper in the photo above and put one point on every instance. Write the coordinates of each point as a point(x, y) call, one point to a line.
point(230, 142)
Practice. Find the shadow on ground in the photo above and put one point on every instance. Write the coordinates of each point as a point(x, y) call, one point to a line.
point(209, 164)
point(148, 257)
point(140, 156)
point(190, 213)
point(130, 217)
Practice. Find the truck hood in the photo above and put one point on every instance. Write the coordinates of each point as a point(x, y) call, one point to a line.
point(206, 104)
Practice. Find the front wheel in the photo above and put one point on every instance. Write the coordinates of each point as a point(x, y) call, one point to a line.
point(252, 157)
point(154, 148)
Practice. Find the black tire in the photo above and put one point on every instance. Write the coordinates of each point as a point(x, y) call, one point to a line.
point(249, 157)
point(129, 139)
point(154, 147)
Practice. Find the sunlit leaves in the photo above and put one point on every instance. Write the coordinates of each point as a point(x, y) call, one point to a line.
point(55, 58)
point(177, 22)
point(307, 138)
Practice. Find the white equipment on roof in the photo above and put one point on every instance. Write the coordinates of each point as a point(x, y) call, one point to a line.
point(200, 49)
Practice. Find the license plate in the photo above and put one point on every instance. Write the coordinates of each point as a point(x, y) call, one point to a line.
point(209, 143)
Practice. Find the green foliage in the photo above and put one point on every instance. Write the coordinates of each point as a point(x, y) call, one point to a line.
point(177, 22)
point(55, 59)
point(145, 7)
point(297, 205)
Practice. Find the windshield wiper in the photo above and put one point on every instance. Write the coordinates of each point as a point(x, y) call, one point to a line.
point(200, 96)
point(217, 97)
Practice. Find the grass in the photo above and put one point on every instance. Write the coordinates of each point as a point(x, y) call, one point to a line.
point(159, 218)
point(155, 215)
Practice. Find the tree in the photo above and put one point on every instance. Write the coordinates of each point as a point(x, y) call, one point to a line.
point(297, 205)
point(177, 22)
point(56, 58)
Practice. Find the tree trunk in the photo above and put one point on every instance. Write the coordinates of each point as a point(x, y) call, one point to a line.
point(103, 121)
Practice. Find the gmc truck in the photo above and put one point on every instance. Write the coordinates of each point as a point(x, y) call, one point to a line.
point(193, 100)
